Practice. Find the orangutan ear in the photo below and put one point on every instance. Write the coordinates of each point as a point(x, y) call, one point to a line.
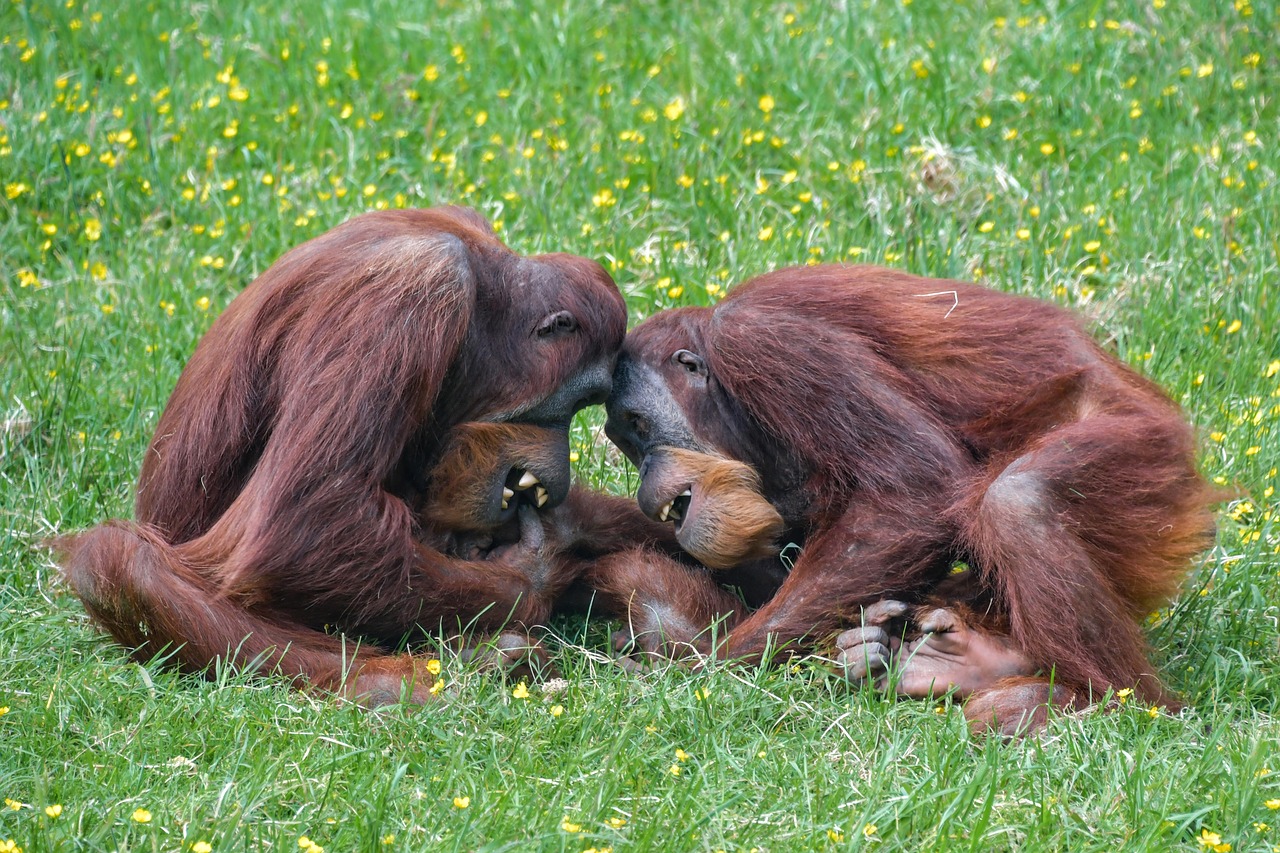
point(693, 363)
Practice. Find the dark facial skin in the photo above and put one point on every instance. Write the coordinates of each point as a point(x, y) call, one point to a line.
point(647, 406)
point(703, 479)
point(557, 322)
point(561, 319)
point(662, 387)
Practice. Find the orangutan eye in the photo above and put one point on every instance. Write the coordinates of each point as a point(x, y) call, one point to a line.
point(691, 362)
point(559, 323)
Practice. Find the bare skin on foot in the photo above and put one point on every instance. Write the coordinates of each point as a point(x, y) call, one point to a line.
point(389, 680)
point(933, 651)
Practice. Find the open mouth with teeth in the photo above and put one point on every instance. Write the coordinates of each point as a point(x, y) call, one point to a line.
point(527, 485)
point(676, 508)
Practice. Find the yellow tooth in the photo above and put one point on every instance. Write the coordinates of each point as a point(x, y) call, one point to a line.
point(507, 495)
point(687, 493)
point(504, 503)
point(541, 495)
point(664, 512)
point(527, 480)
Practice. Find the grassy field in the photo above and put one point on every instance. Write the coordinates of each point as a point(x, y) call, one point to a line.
point(1119, 158)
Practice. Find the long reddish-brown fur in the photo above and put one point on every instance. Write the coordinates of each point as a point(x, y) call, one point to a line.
point(281, 493)
point(900, 423)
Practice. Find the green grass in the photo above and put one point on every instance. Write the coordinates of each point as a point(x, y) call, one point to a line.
point(1116, 157)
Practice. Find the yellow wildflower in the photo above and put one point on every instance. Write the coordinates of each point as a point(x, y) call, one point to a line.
point(54, 810)
point(141, 816)
point(1213, 841)
point(461, 802)
point(521, 691)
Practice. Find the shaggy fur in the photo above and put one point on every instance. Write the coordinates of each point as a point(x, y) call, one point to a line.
point(281, 497)
point(899, 424)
